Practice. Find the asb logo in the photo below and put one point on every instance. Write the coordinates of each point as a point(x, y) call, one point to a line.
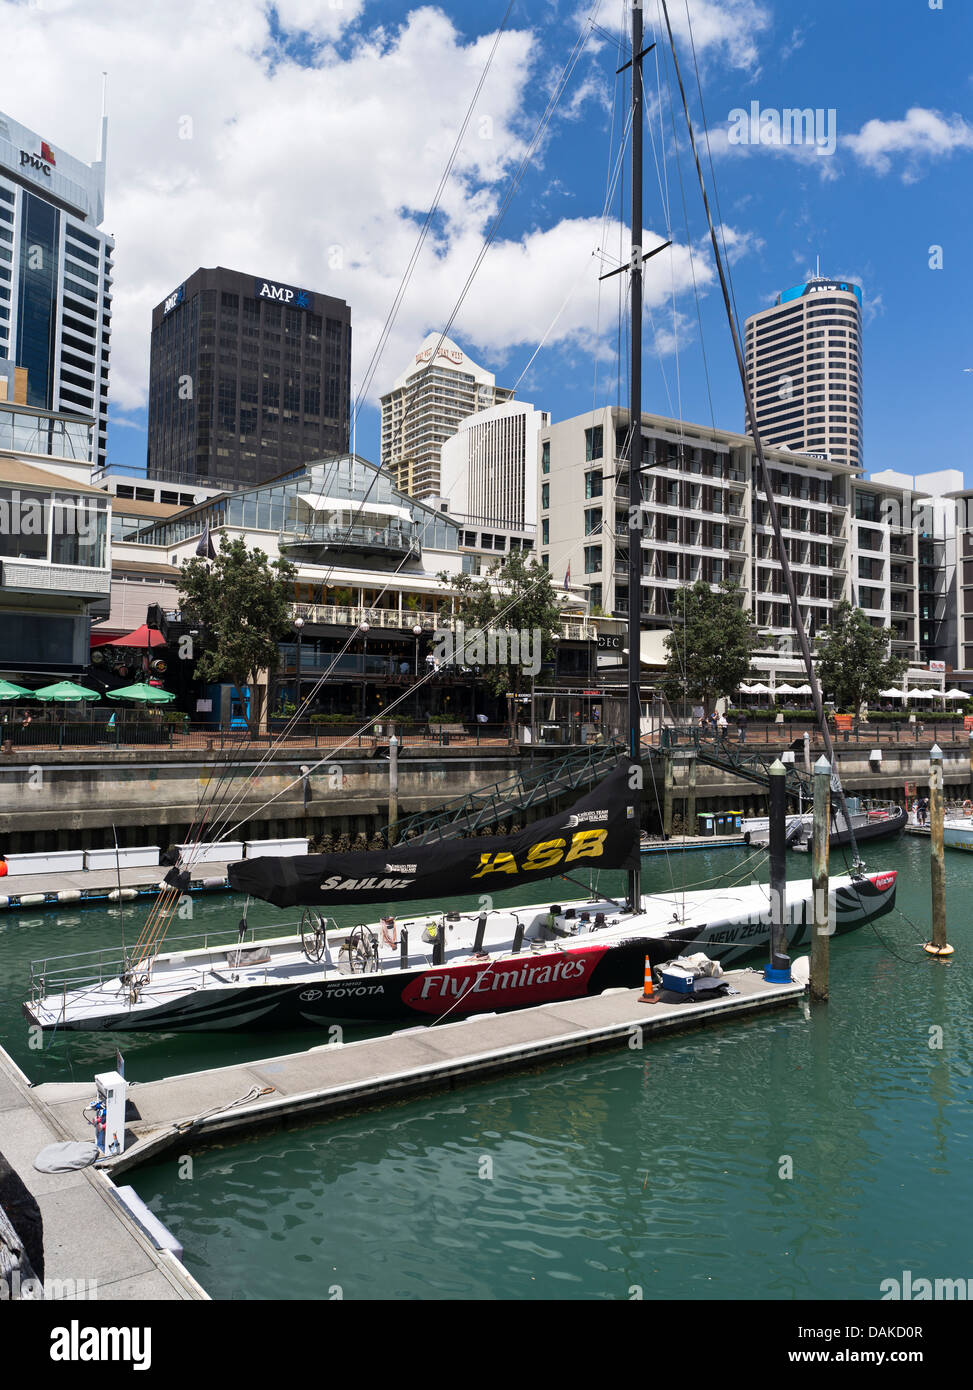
point(44, 162)
point(284, 294)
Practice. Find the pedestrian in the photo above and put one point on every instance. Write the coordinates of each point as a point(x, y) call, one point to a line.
point(923, 810)
point(742, 726)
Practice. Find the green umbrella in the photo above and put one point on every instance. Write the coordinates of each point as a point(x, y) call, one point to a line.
point(148, 694)
point(9, 691)
point(66, 691)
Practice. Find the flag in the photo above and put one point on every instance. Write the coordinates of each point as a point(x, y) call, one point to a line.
point(119, 1063)
point(567, 576)
point(205, 548)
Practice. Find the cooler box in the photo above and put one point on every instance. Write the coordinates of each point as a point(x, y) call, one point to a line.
point(678, 979)
point(706, 823)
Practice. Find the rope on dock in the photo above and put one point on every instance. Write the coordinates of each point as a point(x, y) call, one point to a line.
point(254, 1093)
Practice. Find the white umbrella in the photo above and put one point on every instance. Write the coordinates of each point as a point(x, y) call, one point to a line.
point(788, 690)
point(745, 689)
point(759, 689)
point(891, 694)
point(803, 690)
point(957, 695)
point(916, 694)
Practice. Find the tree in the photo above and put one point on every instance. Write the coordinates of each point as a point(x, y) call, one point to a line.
point(511, 619)
point(853, 659)
point(709, 648)
point(240, 601)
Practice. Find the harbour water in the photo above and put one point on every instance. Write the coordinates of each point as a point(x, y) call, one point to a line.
point(791, 1156)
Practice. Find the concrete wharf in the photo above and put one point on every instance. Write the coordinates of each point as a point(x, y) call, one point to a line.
point(92, 1244)
point(178, 1112)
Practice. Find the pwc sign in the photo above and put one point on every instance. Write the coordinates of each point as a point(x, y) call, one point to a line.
point(43, 162)
point(284, 294)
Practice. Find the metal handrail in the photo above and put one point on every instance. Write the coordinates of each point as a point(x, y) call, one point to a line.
point(501, 800)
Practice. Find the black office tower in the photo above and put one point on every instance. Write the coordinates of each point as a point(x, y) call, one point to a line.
point(249, 378)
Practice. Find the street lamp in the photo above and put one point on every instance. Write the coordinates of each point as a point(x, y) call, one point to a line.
point(363, 629)
point(299, 624)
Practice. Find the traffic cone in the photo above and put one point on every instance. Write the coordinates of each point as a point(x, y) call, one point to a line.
point(648, 989)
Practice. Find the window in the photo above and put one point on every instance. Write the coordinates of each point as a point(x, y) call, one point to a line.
point(592, 520)
point(546, 456)
point(593, 485)
point(545, 496)
point(593, 443)
point(592, 559)
point(545, 532)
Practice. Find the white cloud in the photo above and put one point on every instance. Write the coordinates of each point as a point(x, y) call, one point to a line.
point(921, 136)
point(317, 173)
point(726, 29)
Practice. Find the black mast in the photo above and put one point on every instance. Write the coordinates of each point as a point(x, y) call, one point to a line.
point(635, 440)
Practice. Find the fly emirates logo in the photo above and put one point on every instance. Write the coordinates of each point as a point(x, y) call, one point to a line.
point(485, 987)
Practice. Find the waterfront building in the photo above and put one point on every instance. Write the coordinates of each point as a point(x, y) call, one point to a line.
point(55, 541)
point(425, 407)
point(370, 564)
point(882, 543)
point(804, 368)
point(55, 276)
point(248, 378)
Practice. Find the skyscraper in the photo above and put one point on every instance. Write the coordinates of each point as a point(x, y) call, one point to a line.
point(804, 366)
point(424, 408)
point(248, 378)
point(55, 275)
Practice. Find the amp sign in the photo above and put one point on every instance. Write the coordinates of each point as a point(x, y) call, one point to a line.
point(284, 294)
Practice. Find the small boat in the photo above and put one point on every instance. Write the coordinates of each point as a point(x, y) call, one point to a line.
point(870, 820)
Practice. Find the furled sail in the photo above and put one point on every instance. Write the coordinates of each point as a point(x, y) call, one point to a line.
point(598, 832)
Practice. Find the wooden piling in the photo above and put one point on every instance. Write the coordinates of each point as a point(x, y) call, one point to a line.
point(690, 827)
point(779, 960)
point(937, 865)
point(667, 794)
point(393, 788)
point(821, 927)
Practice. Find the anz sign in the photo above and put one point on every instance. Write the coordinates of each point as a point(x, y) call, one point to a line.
point(173, 300)
point(284, 294)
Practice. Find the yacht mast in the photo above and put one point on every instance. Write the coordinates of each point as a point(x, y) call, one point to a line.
point(635, 439)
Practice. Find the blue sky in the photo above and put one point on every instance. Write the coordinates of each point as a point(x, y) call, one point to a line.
point(316, 127)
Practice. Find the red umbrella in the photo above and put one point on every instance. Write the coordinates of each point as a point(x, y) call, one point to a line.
point(142, 637)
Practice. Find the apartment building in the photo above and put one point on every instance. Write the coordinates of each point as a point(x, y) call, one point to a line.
point(886, 544)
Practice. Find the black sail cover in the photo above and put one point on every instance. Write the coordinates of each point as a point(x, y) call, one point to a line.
point(601, 831)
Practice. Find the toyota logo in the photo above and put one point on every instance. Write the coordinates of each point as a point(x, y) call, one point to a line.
point(309, 995)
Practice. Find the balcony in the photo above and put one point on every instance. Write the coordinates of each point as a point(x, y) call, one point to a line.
point(314, 544)
point(42, 578)
point(332, 614)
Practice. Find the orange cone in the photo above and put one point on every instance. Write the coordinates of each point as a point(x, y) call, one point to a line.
point(648, 989)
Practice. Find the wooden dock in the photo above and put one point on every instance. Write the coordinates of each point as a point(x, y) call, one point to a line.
point(679, 843)
point(180, 1111)
point(91, 1242)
